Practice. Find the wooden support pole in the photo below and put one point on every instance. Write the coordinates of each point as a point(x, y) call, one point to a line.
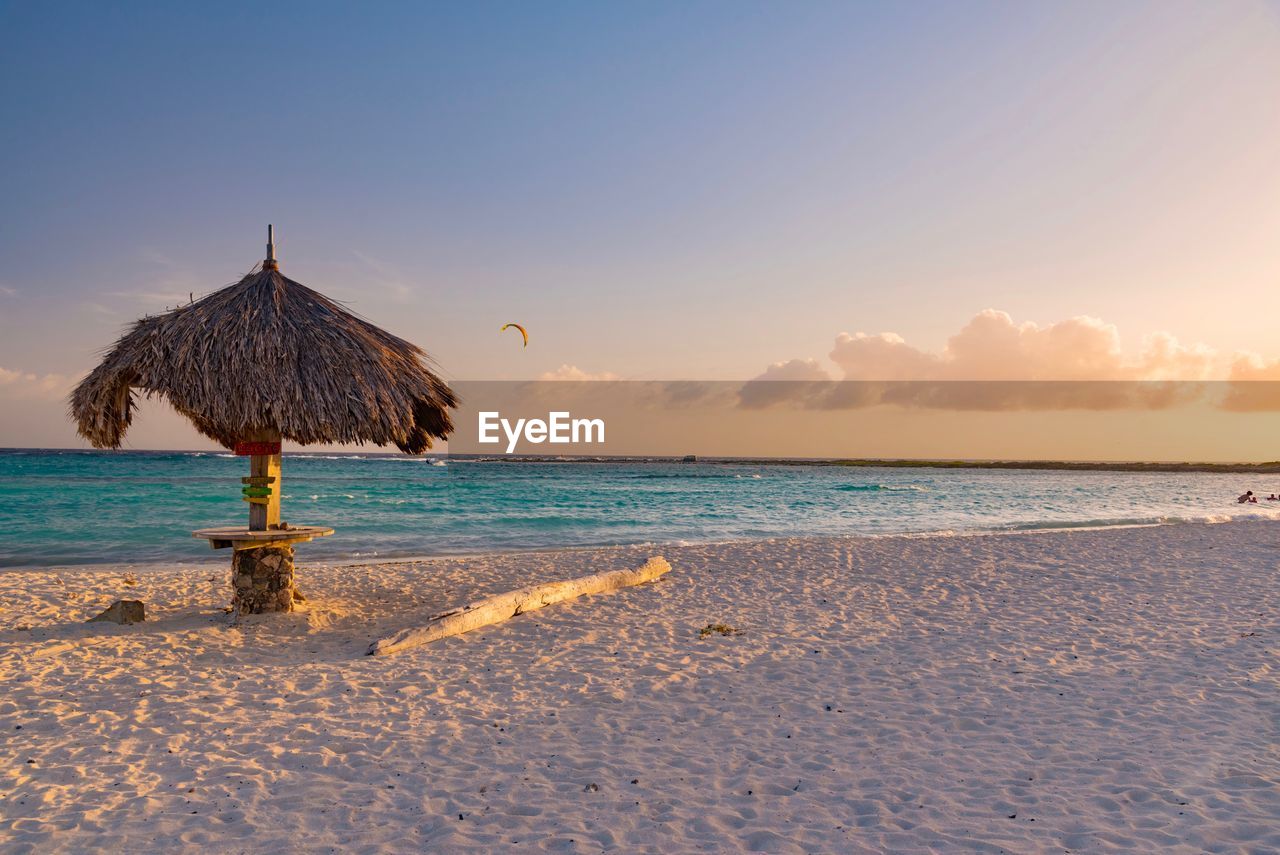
point(261, 572)
point(264, 512)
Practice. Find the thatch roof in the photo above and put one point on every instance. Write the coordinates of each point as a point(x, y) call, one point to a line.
point(269, 354)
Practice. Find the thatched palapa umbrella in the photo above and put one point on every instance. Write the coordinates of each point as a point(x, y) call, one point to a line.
point(258, 361)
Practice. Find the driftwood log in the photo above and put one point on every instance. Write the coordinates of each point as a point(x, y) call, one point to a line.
point(505, 606)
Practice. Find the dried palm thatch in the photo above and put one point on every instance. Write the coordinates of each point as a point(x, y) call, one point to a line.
point(268, 355)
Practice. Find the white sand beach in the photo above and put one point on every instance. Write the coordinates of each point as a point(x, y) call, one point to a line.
point(1086, 691)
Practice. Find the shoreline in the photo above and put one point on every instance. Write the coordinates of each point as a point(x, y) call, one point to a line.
point(220, 560)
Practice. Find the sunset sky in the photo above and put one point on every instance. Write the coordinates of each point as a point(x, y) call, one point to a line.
point(1084, 190)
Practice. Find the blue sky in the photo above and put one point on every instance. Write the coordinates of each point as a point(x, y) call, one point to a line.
point(654, 189)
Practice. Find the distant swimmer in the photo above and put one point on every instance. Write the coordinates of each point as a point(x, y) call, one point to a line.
point(1247, 497)
point(1273, 498)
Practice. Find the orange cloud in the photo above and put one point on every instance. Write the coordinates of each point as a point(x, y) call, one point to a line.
point(783, 382)
point(993, 363)
point(1253, 384)
point(992, 347)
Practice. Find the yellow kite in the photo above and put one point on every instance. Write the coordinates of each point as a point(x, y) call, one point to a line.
point(523, 332)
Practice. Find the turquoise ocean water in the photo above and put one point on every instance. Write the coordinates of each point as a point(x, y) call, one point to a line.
point(70, 507)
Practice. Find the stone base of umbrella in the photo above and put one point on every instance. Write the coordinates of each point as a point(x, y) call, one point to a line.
point(262, 557)
point(263, 580)
point(262, 576)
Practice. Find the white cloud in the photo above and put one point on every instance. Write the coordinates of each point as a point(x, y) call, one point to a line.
point(573, 372)
point(796, 379)
point(886, 356)
point(16, 384)
point(795, 369)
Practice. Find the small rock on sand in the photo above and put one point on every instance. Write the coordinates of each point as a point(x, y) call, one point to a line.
point(123, 612)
